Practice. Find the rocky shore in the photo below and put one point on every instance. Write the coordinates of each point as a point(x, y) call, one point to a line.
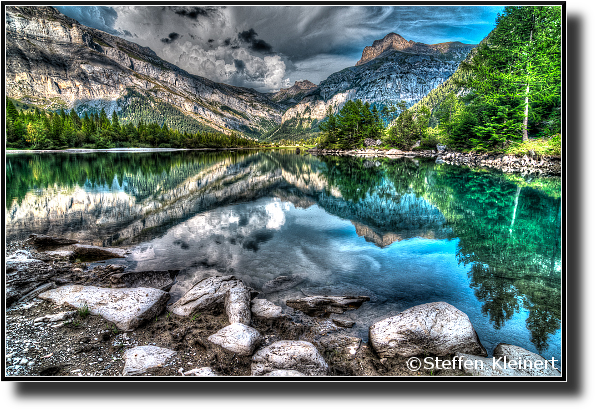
point(65, 317)
point(527, 164)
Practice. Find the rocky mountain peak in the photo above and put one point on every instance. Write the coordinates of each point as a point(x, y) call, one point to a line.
point(304, 85)
point(393, 41)
point(293, 94)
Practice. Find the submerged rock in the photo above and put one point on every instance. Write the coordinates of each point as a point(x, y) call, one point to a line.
point(127, 308)
point(148, 279)
point(433, 328)
point(289, 355)
point(48, 242)
point(93, 253)
point(325, 305)
point(282, 283)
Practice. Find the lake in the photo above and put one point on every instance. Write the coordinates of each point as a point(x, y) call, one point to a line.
point(402, 231)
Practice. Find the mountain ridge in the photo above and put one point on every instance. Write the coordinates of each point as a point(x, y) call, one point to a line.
point(393, 41)
point(53, 61)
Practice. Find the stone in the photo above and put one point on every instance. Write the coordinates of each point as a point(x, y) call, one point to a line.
point(211, 293)
point(284, 373)
point(495, 366)
point(126, 308)
point(238, 338)
point(436, 328)
point(527, 363)
point(93, 253)
point(441, 147)
point(163, 279)
point(325, 305)
point(263, 308)
point(238, 304)
point(289, 355)
point(345, 345)
point(57, 317)
point(282, 283)
point(45, 242)
point(206, 371)
point(342, 321)
point(140, 359)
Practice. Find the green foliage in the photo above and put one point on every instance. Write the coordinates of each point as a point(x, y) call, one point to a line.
point(354, 123)
point(508, 88)
point(83, 311)
point(409, 127)
point(38, 129)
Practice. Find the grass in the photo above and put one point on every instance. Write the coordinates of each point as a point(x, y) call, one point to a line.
point(541, 147)
point(83, 311)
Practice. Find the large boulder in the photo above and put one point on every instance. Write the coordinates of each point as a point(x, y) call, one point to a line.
point(214, 292)
point(141, 359)
point(126, 308)
point(507, 360)
point(325, 305)
point(433, 328)
point(300, 356)
point(238, 338)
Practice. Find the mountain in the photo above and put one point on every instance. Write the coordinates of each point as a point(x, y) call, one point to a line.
point(390, 71)
point(294, 94)
point(52, 61)
point(394, 41)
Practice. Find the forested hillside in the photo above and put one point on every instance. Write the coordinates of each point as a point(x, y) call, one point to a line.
point(38, 129)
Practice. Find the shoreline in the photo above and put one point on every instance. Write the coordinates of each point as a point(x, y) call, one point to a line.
point(527, 164)
point(220, 327)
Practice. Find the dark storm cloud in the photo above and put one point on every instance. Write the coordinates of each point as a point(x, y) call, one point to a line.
point(250, 36)
point(193, 12)
point(171, 37)
point(239, 64)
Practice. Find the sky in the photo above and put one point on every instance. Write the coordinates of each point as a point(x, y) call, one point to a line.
point(271, 47)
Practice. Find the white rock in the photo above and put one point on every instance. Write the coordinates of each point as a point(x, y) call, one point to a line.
point(57, 317)
point(290, 355)
point(201, 372)
point(519, 362)
point(238, 338)
point(127, 308)
point(284, 373)
point(433, 328)
point(142, 358)
point(204, 295)
point(238, 304)
point(263, 308)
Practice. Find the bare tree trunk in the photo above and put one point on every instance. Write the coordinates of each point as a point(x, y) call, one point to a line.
point(515, 208)
point(525, 121)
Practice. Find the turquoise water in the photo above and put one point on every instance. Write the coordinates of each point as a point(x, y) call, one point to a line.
point(403, 231)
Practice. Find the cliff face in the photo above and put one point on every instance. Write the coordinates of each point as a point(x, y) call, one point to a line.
point(292, 95)
point(389, 77)
point(53, 61)
point(394, 41)
point(390, 71)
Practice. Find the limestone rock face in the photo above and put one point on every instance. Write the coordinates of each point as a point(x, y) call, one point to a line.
point(289, 355)
point(127, 308)
point(433, 328)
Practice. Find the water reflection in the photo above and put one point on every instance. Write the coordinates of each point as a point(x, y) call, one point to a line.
point(405, 231)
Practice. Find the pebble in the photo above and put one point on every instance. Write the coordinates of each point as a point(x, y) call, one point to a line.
point(100, 360)
point(23, 361)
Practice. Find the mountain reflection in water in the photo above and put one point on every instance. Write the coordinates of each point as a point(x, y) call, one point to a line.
point(403, 231)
